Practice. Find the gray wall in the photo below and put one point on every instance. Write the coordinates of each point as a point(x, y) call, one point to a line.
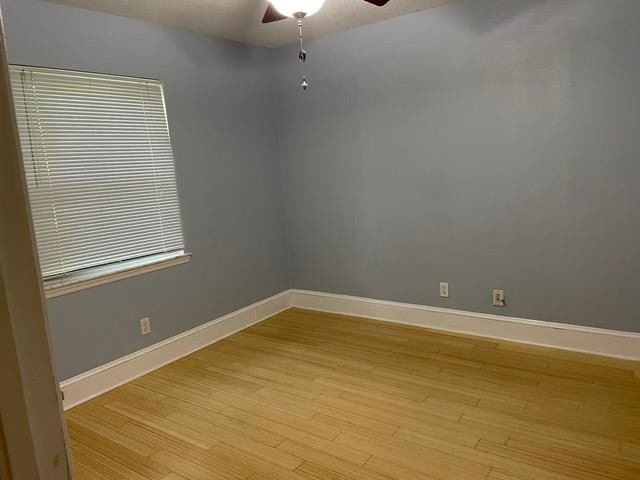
point(486, 143)
point(218, 105)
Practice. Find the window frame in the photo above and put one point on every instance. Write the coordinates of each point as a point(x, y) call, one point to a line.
point(81, 279)
point(102, 275)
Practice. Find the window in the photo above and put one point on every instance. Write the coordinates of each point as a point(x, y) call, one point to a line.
point(100, 173)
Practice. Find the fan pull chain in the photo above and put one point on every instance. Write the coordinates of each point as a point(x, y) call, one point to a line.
point(302, 55)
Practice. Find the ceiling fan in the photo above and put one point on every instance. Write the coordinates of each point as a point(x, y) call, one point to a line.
point(300, 9)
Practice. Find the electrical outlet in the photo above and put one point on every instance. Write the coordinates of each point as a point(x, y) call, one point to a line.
point(498, 297)
point(444, 289)
point(145, 325)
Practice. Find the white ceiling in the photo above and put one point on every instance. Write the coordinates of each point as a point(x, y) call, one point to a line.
point(240, 20)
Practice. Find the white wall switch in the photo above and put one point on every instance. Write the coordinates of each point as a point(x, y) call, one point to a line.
point(498, 297)
point(444, 289)
point(145, 325)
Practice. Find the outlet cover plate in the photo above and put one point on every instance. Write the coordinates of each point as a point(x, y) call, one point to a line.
point(145, 326)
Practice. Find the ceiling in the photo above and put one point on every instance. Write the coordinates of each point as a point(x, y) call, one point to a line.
point(240, 20)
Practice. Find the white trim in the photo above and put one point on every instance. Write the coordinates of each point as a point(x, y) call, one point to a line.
point(112, 273)
point(95, 382)
point(598, 341)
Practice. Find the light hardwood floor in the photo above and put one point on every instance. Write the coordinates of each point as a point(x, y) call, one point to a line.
point(307, 395)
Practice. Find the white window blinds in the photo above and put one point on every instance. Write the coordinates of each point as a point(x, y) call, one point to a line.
point(99, 168)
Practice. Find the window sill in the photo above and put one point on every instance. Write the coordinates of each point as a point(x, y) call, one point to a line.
point(108, 274)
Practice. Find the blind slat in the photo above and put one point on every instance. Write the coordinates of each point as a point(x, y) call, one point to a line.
point(99, 167)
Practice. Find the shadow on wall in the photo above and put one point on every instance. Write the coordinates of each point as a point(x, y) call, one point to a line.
point(484, 17)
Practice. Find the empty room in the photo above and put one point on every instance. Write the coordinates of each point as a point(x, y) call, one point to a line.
point(320, 240)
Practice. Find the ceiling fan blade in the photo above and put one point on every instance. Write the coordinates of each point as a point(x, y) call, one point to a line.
point(377, 3)
point(272, 15)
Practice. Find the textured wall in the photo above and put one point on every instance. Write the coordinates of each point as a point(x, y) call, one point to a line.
point(218, 105)
point(486, 143)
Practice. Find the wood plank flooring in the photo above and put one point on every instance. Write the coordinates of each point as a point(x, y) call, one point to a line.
point(307, 395)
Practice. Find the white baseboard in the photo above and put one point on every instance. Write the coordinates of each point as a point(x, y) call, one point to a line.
point(95, 382)
point(598, 341)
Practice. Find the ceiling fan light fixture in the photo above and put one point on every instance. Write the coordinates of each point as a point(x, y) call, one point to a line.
point(290, 8)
